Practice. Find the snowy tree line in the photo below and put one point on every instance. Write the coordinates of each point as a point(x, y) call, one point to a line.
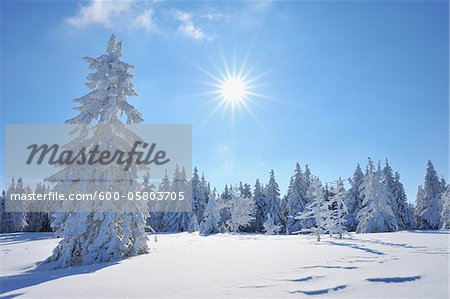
point(11, 222)
point(375, 202)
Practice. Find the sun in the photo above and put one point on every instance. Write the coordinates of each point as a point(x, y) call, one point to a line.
point(234, 90)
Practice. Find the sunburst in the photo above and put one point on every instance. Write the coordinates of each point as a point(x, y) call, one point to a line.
point(234, 89)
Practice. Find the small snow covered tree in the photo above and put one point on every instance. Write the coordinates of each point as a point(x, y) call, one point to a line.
point(428, 203)
point(316, 210)
point(445, 215)
point(241, 211)
point(270, 228)
point(377, 214)
point(99, 233)
point(354, 198)
point(336, 223)
point(193, 225)
point(272, 197)
point(211, 217)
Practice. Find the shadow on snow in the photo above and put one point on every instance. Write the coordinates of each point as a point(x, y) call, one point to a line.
point(394, 279)
point(17, 238)
point(320, 292)
point(39, 275)
point(355, 246)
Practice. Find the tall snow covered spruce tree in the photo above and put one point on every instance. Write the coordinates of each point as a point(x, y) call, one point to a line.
point(354, 198)
point(272, 199)
point(100, 233)
point(428, 202)
point(296, 199)
point(260, 205)
point(200, 195)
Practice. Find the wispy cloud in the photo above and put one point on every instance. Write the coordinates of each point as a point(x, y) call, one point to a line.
point(163, 17)
point(144, 20)
point(187, 26)
point(134, 15)
point(99, 12)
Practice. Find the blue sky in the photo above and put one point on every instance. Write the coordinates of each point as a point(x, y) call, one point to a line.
point(341, 80)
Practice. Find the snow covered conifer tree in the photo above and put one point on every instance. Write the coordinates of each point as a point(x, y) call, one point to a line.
point(199, 195)
point(270, 228)
point(94, 235)
point(405, 215)
point(316, 210)
point(397, 197)
point(153, 206)
point(206, 189)
point(445, 215)
point(284, 209)
point(179, 219)
point(196, 191)
point(307, 179)
point(272, 197)
point(211, 217)
point(354, 198)
point(158, 223)
point(377, 214)
point(336, 223)
point(420, 204)
point(296, 200)
point(260, 206)
point(428, 203)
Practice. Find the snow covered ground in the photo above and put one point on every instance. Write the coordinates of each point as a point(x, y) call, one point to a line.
point(401, 264)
